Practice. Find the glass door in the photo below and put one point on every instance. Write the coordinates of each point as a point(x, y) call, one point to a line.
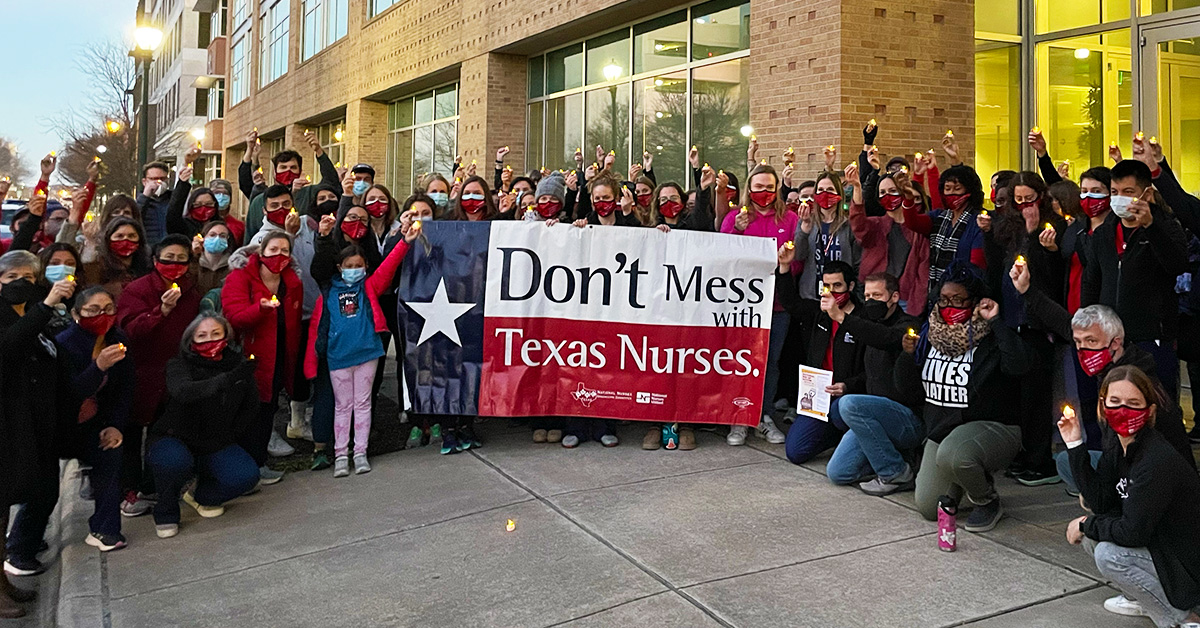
point(1170, 72)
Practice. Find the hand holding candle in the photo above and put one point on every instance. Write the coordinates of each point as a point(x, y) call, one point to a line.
point(1068, 426)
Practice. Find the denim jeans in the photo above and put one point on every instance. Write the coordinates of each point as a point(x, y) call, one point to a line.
point(964, 463)
point(879, 429)
point(1063, 462)
point(1132, 570)
point(220, 476)
point(808, 437)
point(779, 329)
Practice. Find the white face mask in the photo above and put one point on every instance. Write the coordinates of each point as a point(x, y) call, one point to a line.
point(1120, 205)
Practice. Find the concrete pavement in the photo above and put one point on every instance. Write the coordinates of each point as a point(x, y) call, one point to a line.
point(720, 536)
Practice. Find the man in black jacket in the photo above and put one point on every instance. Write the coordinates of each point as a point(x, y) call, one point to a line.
point(830, 348)
point(1136, 256)
point(884, 422)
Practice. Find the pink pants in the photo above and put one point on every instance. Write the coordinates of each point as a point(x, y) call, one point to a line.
point(352, 397)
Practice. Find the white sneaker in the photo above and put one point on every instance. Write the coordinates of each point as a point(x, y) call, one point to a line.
point(341, 467)
point(737, 435)
point(279, 448)
point(166, 530)
point(208, 512)
point(1122, 605)
point(361, 465)
point(766, 429)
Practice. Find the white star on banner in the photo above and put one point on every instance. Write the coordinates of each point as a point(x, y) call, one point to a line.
point(440, 315)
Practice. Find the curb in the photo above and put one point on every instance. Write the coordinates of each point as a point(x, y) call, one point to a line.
point(82, 590)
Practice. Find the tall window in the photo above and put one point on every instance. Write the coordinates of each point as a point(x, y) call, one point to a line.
point(332, 137)
point(219, 20)
point(656, 87)
point(239, 69)
point(324, 23)
point(216, 100)
point(378, 6)
point(273, 41)
point(422, 138)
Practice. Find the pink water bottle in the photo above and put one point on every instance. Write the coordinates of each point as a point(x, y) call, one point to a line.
point(947, 523)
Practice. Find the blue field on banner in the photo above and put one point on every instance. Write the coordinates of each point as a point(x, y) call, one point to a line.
point(441, 296)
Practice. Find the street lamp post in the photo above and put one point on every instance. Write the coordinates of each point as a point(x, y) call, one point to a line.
point(146, 39)
point(612, 72)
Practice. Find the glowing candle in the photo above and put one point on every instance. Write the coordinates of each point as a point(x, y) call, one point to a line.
point(1049, 227)
point(274, 300)
point(872, 122)
point(1035, 130)
point(912, 333)
point(174, 286)
point(1068, 412)
point(416, 225)
point(1020, 260)
point(949, 133)
point(1139, 137)
point(510, 525)
point(121, 346)
point(790, 245)
point(745, 210)
point(825, 290)
point(1112, 144)
point(1153, 140)
point(71, 278)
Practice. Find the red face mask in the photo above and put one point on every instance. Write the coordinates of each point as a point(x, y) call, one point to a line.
point(354, 229)
point(1092, 361)
point(992, 196)
point(211, 349)
point(954, 315)
point(377, 209)
point(604, 208)
point(827, 200)
point(840, 298)
point(792, 207)
point(276, 263)
point(1124, 420)
point(471, 206)
point(1094, 206)
point(670, 209)
point(891, 202)
point(277, 217)
point(643, 200)
point(956, 202)
point(763, 198)
point(171, 270)
point(97, 325)
point(203, 213)
point(731, 194)
point(1024, 206)
point(549, 209)
point(123, 248)
point(287, 177)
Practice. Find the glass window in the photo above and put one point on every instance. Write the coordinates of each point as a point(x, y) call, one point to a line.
point(1163, 6)
point(1085, 97)
point(331, 136)
point(423, 149)
point(424, 108)
point(1057, 15)
point(998, 137)
point(241, 11)
point(564, 131)
point(216, 100)
point(998, 16)
point(1179, 108)
point(239, 70)
point(660, 107)
point(218, 20)
point(608, 123)
point(273, 42)
point(533, 127)
point(721, 114)
point(417, 144)
point(378, 6)
point(608, 57)
point(564, 69)
point(446, 102)
point(401, 114)
point(445, 143)
point(400, 164)
point(720, 27)
point(660, 43)
point(324, 23)
point(537, 76)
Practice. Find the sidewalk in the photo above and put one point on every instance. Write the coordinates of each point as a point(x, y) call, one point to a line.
point(720, 536)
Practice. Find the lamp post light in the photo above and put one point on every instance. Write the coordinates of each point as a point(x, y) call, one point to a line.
point(146, 39)
point(612, 72)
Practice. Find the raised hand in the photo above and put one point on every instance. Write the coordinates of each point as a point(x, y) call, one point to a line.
point(647, 161)
point(109, 356)
point(93, 170)
point(500, 153)
point(47, 165)
point(850, 176)
point(325, 227)
point(694, 156)
point(988, 309)
point(950, 147)
point(1037, 141)
point(1019, 274)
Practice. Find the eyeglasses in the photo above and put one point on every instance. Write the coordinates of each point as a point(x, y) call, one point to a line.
point(95, 310)
point(954, 302)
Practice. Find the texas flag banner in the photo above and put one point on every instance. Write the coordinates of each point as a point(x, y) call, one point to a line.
point(607, 322)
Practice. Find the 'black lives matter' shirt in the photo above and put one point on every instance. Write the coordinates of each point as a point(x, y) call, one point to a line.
point(945, 380)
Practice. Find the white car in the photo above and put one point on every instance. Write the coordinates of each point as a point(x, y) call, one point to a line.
point(9, 209)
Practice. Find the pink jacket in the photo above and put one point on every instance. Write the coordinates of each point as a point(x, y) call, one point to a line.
point(872, 233)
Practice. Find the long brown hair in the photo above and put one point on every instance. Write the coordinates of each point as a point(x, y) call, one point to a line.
point(780, 205)
point(839, 210)
point(1010, 230)
point(489, 203)
point(393, 209)
point(1151, 392)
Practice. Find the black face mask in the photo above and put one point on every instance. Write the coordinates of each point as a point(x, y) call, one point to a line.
point(325, 208)
point(18, 291)
point(874, 310)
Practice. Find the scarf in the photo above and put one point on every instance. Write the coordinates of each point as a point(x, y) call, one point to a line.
point(955, 340)
point(944, 245)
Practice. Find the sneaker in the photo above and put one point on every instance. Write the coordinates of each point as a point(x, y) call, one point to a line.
point(653, 439)
point(361, 465)
point(106, 542)
point(449, 444)
point(984, 517)
point(279, 448)
point(341, 467)
point(1015, 469)
point(15, 566)
point(166, 530)
point(906, 481)
point(268, 476)
point(321, 460)
point(1073, 492)
point(610, 440)
point(767, 430)
point(570, 441)
point(789, 417)
point(208, 512)
point(467, 439)
point(414, 438)
point(1122, 605)
point(1033, 477)
point(554, 436)
point(300, 432)
point(403, 417)
point(687, 439)
point(737, 435)
point(540, 436)
point(132, 506)
point(435, 432)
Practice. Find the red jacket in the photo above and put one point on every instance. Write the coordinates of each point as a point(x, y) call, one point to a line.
point(257, 325)
point(872, 233)
point(376, 284)
point(153, 338)
point(237, 229)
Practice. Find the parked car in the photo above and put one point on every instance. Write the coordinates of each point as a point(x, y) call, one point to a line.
point(9, 209)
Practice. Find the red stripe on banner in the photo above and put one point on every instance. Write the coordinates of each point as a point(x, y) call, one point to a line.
point(558, 367)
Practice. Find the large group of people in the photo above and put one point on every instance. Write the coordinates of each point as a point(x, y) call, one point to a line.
point(154, 338)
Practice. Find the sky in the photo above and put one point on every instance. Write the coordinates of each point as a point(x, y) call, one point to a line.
point(39, 46)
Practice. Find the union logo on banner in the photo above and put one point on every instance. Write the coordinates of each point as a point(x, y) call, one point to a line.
point(519, 319)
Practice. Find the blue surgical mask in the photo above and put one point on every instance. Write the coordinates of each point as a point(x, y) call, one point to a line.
point(361, 187)
point(353, 275)
point(222, 200)
point(58, 272)
point(215, 244)
point(441, 198)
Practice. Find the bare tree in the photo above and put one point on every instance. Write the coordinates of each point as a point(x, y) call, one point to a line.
point(10, 162)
